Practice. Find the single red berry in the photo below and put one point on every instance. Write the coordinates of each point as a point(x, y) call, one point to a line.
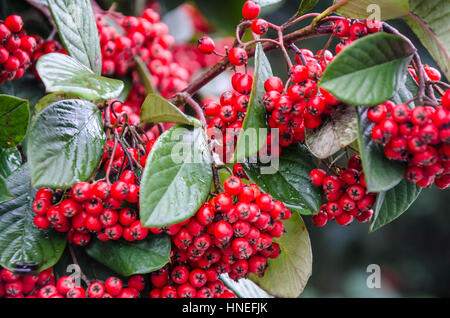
point(206, 45)
point(223, 231)
point(96, 290)
point(250, 10)
point(45, 193)
point(119, 190)
point(300, 73)
point(238, 56)
point(14, 23)
point(358, 30)
point(344, 219)
point(64, 284)
point(81, 191)
point(446, 99)
point(113, 286)
point(341, 28)
point(432, 73)
point(76, 292)
point(41, 222)
point(260, 26)
point(316, 177)
point(419, 116)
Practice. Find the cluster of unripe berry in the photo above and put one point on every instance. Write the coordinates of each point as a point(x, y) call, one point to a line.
point(96, 207)
point(16, 49)
point(419, 136)
point(44, 285)
point(300, 106)
point(351, 30)
point(148, 38)
point(346, 193)
point(232, 233)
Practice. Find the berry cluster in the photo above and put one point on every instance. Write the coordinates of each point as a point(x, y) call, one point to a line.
point(232, 233)
point(419, 136)
point(96, 208)
point(183, 281)
point(44, 285)
point(346, 194)
point(225, 117)
point(148, 38)
point(351, 30)
point(16, 49)
point(301, 105)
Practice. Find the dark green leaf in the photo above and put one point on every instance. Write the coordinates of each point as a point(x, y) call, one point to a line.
point(14, 119)
point(65, 144)
point(157, 109)
point(61, 73)
point(27, 87)
point(380, 173)
point(78, 31)
point(391, 204)
point(244, 288)
point(306, 6)
point(177, 177)
point(21, 242)
point(289, 182)
point(254, 129)
point(288, 274)
point(90, 267)
point(338, 131)
point(368, 71)
point(130, 258)
point(364, 9)
point(429, 21)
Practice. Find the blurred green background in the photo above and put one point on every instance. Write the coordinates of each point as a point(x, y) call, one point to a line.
point(413, 252)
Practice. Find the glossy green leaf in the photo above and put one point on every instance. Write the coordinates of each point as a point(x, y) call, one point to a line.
point(22, 244)
point(65, 144)
point(289, 182)
point(391, 204)
point(177, 177)
point(14, 119)
point(157, 109)
point(338, 131)
point(364, 9)
point(369, 70)
point(429, 21)
point(27, 87)
point(244, 288)
point(306, 6)
point(10, 160)
point(380, 173)
point(254, 129)
point(287, 275)
point(61, 73)
point(78, 31)
point(130, 258)
point(50, 99)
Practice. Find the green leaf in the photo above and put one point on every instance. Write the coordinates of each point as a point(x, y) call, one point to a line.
point(306, 6)
point(380, 173)
point(338, 131)
point(391, 204)
point(65, 144)
point(78, 31)
point(130, 258)
point(289, 182)
point(429, 21)
point(27, 87)
point(90, 267)
point(157, 109)
point(145, 75)
point(50, 99)
point(10, 160)
point(288, 274)
point(363, 9)
point(5, 195)
point(22, 244)
point(61, 73)
point(368, 71)
point(177, 177)
point(244, 288)
point(254, 129)
point(14, 119)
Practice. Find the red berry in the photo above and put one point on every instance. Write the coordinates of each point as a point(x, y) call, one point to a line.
point(113, 286)
point(250, 10)
point(238, 56)
point(341, 28)
point(14, 23)
point(206, 45)
point(260, 26)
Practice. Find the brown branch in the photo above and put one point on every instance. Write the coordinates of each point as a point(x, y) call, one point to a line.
point(208, 76)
